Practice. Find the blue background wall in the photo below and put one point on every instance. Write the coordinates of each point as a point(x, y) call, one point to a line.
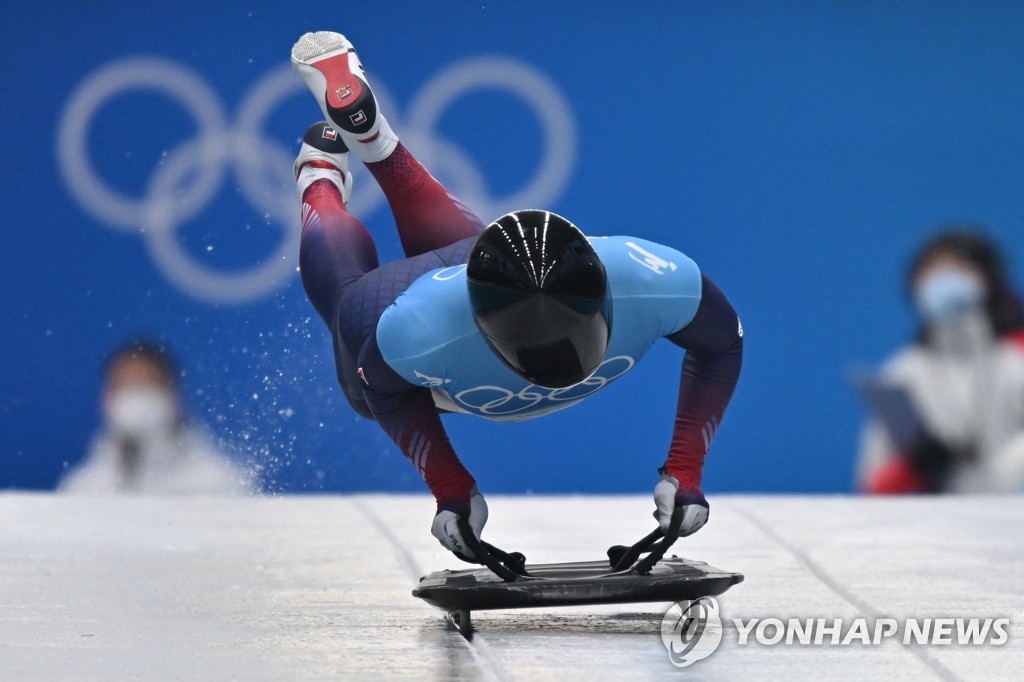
point(799, 151)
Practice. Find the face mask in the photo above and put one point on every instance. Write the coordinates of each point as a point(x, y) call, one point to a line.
point(948, 293)
point(141, 411)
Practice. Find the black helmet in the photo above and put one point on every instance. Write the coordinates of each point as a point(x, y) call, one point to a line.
point(539, 295)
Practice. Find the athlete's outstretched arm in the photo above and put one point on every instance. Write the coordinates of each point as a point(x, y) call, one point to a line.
point(408, 415)
point(714, 354)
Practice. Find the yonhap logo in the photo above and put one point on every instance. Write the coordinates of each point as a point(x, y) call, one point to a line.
point(693, 633)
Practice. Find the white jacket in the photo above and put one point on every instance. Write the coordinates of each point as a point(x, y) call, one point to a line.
point(969, 391)
point(179, 462)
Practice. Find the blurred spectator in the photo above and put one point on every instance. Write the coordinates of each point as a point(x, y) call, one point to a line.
point(147, 444)
point(963, 377)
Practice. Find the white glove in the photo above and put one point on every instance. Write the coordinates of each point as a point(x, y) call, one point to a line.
point(446, 526)
point(668, 496)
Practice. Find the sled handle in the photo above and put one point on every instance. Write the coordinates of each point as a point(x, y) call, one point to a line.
point(509, 566)
point(621, 558)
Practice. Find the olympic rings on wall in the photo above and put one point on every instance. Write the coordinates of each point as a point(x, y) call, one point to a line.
point(189, 178)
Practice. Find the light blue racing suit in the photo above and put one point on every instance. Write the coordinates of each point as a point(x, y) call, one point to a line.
point(429, 337)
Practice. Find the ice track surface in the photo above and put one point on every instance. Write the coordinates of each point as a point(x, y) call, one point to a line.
point(319, 587)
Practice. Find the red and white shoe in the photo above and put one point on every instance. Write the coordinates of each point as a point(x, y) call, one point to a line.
point(331, 69)
point(323, 156)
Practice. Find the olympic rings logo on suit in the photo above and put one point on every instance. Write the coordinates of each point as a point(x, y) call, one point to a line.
point(187, 180)
point(497, 401)
point(451, 272)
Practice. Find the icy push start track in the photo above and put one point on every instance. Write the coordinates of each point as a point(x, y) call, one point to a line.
point(319, 587)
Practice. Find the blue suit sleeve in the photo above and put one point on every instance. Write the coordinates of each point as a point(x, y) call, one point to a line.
point(713, 340)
